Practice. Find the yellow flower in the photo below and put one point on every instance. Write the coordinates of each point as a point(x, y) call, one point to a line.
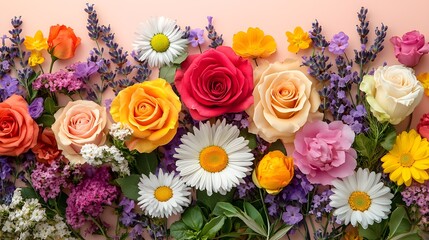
point(253, 44)
point(408, 159)
point(37, 43)
point(424, 79)
point(151, 109)
point(298, 40)
point(274, 172)
point(352, 233)
point(35, 58)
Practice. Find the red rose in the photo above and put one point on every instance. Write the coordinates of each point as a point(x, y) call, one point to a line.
point(46, 149)
point(423, 126)
point(215, 82)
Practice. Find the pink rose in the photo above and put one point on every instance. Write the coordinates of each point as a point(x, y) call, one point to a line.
point(78, 123)
point(410, 48)
point(323, 151)
point(423, 126)
point(215, 82)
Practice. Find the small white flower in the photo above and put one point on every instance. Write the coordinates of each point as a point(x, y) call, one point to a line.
point(163, 196)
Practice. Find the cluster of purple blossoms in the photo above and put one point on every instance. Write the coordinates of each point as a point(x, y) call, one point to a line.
point(6, 186)
point(36, 108)
point(417, 196)
point(89, 197)
point(8, 87)
point(212, 34)
point(48, 179)
point(58, 81)
point(339, 43)
point(196, 37)
point(168, 162)
point(290, 200)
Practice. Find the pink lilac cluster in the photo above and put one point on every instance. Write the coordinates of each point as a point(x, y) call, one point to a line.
point(417, 195)
point(89, 197)
point(48, 179)
point(58, 81)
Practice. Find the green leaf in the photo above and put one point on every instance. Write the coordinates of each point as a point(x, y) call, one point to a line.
point(28, 193)
point(168, 73)
point(399, 222)
point(364, 145)
point(180, 58)
point(281, 232)
point(46, 119)
point(249, 137)
point(129, 186)
point(224, 208)
point(50, 106)
point(146, 162)
point(193, 218)
point(373, 232)
point(389, 140)
point(250, 210)
point(211, 201)
point(178, 230)
point(278, 145)
point(212, 227)
point(407, 236)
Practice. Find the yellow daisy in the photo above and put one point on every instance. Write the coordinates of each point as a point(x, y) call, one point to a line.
point(253, 44)
point(408, 159)
point(424, 79)
point(298, 40)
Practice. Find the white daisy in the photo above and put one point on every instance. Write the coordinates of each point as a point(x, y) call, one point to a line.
point(164, 195)
point(159, 41)
point(214, 158)
point(361, 198)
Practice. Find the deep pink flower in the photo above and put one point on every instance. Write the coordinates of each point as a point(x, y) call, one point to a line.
point(323, 151)
point(410, 48)
point(423, 126)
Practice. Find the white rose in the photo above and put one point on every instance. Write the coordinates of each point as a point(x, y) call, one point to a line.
point(392, 93)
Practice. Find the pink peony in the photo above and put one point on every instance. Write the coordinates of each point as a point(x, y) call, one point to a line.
point(423, 126)
point(410, 48)
point(323, 151)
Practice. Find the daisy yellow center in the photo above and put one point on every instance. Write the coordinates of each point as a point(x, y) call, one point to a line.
point(406, 160)
point(213, 159)
point(160, 42)
point(359, 201)
point(163, 193)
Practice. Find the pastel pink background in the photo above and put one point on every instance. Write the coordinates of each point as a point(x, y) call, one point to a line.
point(230, 16)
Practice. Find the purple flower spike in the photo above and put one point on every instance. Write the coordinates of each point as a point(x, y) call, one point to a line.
point(339, 43)
point(196, 37)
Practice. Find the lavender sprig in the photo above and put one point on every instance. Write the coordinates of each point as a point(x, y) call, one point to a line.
point(316, 36)
point(212, 34)
point(362, 28)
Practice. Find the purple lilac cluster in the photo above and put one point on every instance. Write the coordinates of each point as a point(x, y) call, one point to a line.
point(61, 80)
point(339, 43)
point(6, 186)
point(290, 200)
point(320, 206)
point(213, 35)
point(8, 87)
point(36, 108)
point(48, 179)
point(247, 189)
point(89, 197)
point(168, 162)
point(138, 223)
point(417, 196)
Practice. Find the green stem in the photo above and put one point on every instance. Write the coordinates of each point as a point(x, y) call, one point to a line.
point(99, 227)
point(41, 69)
point(266, 214)
point(199, 47)
point(256, 62)
point(54, 59)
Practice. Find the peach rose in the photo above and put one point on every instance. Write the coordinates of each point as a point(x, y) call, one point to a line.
point(62, 42)
point(151, 109)
point(18, 131)
point(46, 149)
point(78, 123)
point(285, 99)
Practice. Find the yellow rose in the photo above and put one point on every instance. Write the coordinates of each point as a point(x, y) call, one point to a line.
point(78, 123)
point(274, 172)
point(392, 92)
point(151, 109)
point(284, 100)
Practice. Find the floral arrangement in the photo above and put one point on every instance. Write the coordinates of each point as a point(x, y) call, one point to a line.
point(204, 141)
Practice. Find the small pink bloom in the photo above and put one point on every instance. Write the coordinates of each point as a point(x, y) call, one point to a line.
point(423, 126)
point(410, 48)
point(323, 151)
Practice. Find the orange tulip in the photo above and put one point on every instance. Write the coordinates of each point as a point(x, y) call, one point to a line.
point(62, 42)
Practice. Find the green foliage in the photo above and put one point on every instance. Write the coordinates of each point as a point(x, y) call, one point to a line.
point(250, 137)
point(146, 163)
point(278, 145)
point(211, 201)
point(169, 72)
point(129, 186)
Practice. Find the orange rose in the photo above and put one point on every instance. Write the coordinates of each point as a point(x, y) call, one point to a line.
point(78, 123)
point(62, 42)
point(151, 109)
point(46, 149)
point(274, 172)
point(18, 131)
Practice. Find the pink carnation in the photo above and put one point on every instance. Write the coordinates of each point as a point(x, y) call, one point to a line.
point(323, 151)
